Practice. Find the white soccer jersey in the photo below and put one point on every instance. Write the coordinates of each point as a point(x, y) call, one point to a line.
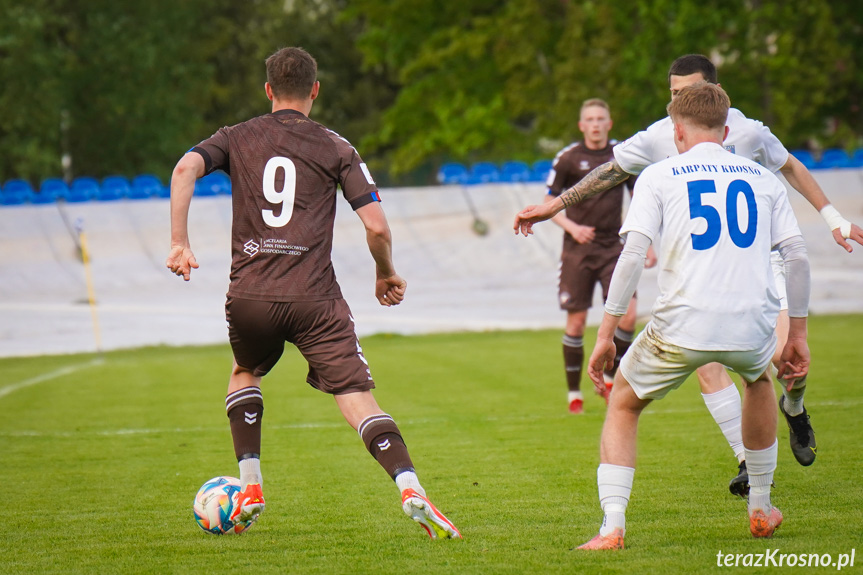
point(719, 216)
point(747, 138)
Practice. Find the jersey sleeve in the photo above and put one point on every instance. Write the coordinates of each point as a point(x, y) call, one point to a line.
point(645, 211)
point(216, 151)
point(767, 150)
point(636, 153)
point(354, 177)
point(557, 176)
point(783, 222)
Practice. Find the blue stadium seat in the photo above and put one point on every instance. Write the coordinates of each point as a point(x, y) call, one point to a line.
point(483, 173)
point(806, 158)
point(51, 190)
point(834, 158)
point(83, 189)
point(515, 172)
point(540, 170)
point(113, 188)
point(213, 184)
point(857, 158)
point(145, 186)
point(16, 192)
point(452, 173)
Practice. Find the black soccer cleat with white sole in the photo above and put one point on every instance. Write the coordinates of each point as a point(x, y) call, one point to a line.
point(801, 435)
point(740, 485)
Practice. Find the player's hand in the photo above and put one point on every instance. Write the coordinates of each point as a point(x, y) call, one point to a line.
point(794, 362)
point(651, 258)
point(181, 261)
point(602, 359)
point(525, 219)
point(856, 235)
point(582, 234)
point(390, 290)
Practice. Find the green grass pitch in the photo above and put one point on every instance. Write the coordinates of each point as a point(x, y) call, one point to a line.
point(101, 458)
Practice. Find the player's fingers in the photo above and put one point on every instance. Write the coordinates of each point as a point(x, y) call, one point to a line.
point(193, 262)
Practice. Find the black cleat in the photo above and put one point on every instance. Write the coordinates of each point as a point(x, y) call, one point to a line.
point(740, 485)
point(801, 435)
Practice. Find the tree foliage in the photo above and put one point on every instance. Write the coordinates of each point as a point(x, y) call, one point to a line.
point(128, 87)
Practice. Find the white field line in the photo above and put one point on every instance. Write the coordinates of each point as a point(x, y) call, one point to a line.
point(851, 403)
point(12, 387)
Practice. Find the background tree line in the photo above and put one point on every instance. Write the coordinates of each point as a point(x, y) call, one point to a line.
point(126, 88)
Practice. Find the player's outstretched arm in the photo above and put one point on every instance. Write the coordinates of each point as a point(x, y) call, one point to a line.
point(181, 260)
point(801, 180)
point(389, 286)
point(600, 179)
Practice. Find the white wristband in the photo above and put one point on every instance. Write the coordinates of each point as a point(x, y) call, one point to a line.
point(835, 220)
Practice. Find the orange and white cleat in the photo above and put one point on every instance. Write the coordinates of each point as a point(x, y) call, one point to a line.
point(421, 510)
point(612, 541)
point(763, 525)
point(576, 406)
point(250, 503)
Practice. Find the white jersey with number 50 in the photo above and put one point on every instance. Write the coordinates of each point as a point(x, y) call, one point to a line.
point(719, 216)
point(747, 138)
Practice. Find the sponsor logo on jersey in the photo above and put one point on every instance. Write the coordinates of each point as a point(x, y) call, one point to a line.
point(584, 165)
point(251, 247)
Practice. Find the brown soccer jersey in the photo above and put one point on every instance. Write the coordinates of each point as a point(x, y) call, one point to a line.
point(602, 211)
point(285, 170)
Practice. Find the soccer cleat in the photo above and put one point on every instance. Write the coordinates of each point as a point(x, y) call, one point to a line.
point(801, 435)
point(613, 540)
point(740, 484)
point(421, 510)
point(762, 524)
point(576, 406)
point(250, 503)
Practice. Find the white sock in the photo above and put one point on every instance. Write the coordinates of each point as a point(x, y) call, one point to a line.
point(793, 403)
point(615, 487)
point(761, 464)
point(725, 407)
point(409, 480)
point(250, 471)
point(573, 395)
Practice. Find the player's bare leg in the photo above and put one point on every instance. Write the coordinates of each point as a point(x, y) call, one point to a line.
point(245, 407)
point(573, 358)
point(723, 401)
point(759, 439)
point(800, 432)
point(617, 464)
point(382, 438)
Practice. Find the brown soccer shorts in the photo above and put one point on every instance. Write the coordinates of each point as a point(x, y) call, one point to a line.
point(323, 331)
point(581, 267)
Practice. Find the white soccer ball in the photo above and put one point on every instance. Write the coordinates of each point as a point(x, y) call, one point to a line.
point(214, 505)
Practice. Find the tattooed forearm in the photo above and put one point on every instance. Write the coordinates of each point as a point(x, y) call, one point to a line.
point(600, 179)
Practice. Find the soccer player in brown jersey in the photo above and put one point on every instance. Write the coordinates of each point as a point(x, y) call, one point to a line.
point(285, 172)
point(591, 244)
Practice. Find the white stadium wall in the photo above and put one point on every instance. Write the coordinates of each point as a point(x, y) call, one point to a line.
point(457, 279)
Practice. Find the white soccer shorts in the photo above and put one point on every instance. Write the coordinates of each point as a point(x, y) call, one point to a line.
point(653, 367)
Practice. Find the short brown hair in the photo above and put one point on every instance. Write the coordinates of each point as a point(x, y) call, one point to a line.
point(292, 72)
point(595, 102)
point(703, 104)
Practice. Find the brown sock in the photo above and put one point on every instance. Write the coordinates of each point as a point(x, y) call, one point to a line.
point(622, 341)
point(384, 441)
point(573, 360)
point(245, 410)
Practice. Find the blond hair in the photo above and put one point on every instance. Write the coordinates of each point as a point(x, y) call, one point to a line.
point(595, 102)
point(702, 104)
